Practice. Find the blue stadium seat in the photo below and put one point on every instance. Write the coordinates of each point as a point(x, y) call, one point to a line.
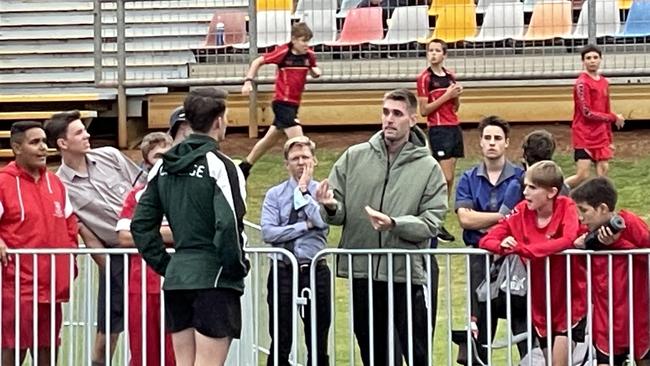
point(638, 20)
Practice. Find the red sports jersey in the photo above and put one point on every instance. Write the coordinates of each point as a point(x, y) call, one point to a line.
point(432, 87)
point(537, 244)
point(33, 215)
point(592, 117)
point(292, 72)
point(124, 223)
point(635, 235)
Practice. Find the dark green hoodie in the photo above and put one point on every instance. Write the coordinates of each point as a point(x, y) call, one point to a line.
point(201, 193)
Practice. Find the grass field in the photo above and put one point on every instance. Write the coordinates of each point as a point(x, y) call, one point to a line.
point(630, 176)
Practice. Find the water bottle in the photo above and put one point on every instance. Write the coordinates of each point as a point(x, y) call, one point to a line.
point(219, 31)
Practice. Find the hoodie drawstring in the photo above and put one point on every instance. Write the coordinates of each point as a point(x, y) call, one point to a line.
point(20, 200)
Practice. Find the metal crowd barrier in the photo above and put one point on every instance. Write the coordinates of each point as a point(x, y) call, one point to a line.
point(79, 318)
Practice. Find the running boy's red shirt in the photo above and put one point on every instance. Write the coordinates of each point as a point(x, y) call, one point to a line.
point(592, 115)
point(635, 236)
point(433, 87)
point(291, 76)
point(36, 214)
point(536, 244)
point(124, 223)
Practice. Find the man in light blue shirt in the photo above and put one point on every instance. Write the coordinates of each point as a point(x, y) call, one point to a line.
point(291, 219)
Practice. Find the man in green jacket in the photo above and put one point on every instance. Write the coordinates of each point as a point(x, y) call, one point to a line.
point(387, 193)
point(201, 193)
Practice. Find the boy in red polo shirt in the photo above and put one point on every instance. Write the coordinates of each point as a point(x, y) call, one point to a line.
point(295, 60)
point(438, 94)
point(153, 146)
point(35, 213)
point(596, 200)
point(541, 225)
point(591, 130)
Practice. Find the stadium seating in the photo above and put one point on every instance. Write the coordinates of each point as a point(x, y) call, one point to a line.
point(361, 25)
point(455, 23)
point(550, 19)
point(408, 24)
point(346, 6)
point(234, 24)
point(273, 28)
point(270, 5)
point(313, 5)
point(638, 20)
point(502, 21)
point(438, 5)
point(322, 23)
point(607, 20)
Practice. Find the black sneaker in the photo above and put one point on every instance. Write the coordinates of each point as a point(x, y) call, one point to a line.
point(245, 168)
point(444, 235)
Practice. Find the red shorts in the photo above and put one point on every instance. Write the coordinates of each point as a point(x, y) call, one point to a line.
point(153, 326)
point(26, 324)
point(594, 154)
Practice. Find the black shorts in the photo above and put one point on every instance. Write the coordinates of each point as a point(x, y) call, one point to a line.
point(582, 154)
point(116, 311)
point(446, 142)
point(577, 334)
point(619, 360)
point(286, 115)
point(213, 312)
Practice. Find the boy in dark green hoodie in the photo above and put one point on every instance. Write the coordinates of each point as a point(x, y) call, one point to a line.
point(201, 192)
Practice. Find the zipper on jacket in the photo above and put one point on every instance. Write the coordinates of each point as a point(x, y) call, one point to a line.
point(381, 201)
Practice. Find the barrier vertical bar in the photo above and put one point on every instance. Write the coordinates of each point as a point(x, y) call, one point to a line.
point(107, 310)
point(630, 302)
point(35, 306)
point(143, 304)
point(371, 313)
point(488, 304)
point(549, 329)
point(409, 310)
point(568, 306)
point(52, 308)
point(508, 312)
point(71, 312)
point(610, 313)
point(468, 268)
point(429, 309)
point(351, 312)
point(448, 290)
point(391, 312)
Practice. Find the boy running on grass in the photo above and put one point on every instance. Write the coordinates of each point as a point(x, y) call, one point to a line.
point(294, 59)
point(591, 130)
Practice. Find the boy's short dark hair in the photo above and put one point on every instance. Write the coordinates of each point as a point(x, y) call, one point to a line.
point(18, 129)
point(546, 174)
point(590, 48)
point(538, 145)
point(301, 30)
point(442, 43)
point(57, 126)
point(202, 106)
point(153, 139)
point(596, 191)
point(403, 95)
point(494, 121)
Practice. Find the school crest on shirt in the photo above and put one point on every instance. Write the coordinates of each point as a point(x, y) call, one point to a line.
point(58, 209)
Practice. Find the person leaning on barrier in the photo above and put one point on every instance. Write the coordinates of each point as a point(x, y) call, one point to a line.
point(387, 193)
point(596, 200)
point(202, 194)
point(540, 226)
point(97, 180)
point(35, 213)
point(479, 195)
point(291, 220)
point(153, 146)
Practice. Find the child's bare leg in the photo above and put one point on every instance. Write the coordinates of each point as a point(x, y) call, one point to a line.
point(262, 146)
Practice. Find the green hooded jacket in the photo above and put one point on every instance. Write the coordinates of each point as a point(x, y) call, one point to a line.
point(201, 193)
point(411, 190)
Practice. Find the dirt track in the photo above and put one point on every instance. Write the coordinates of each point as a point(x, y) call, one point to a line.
point(628, 143)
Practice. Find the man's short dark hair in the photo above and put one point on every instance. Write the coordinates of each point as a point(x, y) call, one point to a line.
point(494, 121)
point(57, 126)
point(538, 145)
point(590, 48)
point(202, 106)
point(403, 95)
point(18, 130)
point(442, 43)
point(595, 192)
